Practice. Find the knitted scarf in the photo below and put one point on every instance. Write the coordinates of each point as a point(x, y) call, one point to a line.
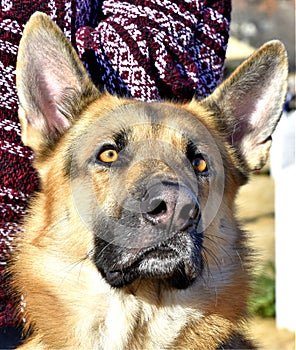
point(144, 49)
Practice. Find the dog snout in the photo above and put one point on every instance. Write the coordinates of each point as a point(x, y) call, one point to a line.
point(170, 205)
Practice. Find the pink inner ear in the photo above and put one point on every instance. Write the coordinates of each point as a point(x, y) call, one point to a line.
point(49, 77)
point(257, 112)
point(50, 92)
point(268, 106)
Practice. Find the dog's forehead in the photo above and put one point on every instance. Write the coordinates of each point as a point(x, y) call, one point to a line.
point(141, 120)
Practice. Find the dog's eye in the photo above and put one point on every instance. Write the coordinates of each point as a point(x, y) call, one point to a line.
point(199, 164)
point(108, 156)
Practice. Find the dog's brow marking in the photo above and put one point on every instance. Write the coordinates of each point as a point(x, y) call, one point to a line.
point(121, 138)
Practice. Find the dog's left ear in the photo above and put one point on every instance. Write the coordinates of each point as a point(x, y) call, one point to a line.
point(248, 105)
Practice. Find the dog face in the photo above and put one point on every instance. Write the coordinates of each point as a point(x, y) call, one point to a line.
point(138, 195)
point(146, 219)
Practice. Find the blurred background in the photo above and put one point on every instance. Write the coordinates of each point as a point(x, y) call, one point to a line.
point(266, 205)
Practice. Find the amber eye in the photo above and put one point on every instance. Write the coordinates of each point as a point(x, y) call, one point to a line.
point(108, 156)
point(199, 165)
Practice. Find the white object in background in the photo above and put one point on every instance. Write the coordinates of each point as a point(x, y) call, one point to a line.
point(283, 169)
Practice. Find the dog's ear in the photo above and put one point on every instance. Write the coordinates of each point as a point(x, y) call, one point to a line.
point(53, 85)
point(248, 105)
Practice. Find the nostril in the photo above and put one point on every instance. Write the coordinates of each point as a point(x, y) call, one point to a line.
point(159, 208)
point(156, 211)
point(187, 212)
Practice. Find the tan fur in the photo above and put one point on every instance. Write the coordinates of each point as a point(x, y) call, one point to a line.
point(68, 304)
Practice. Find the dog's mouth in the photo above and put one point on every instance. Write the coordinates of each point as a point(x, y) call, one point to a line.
point(177, 262)
point(174, 272)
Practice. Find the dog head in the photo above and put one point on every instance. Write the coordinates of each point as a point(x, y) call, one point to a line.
point(143, 190)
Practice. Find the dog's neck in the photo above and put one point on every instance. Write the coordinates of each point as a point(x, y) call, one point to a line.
point(136, 321)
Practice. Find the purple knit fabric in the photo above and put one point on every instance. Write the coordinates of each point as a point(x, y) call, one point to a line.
point(158, 49)
point(148, 50)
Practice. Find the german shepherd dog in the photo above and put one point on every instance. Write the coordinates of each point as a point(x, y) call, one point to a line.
point(132, 240)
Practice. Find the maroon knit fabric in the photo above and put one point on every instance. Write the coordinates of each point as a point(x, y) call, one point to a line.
point(17, 177)
point(148, 49)
point(155, 49)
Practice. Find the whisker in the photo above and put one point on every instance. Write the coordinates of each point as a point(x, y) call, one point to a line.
point(56, 223)
point(211, 254)
point(212, 239)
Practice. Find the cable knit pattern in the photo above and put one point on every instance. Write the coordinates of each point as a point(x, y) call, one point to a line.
point(148, 50)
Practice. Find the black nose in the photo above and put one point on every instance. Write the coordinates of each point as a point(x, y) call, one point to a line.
point(171, 205)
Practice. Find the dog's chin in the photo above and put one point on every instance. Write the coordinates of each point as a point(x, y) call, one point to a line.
point(175, 279)
point(173, 273)
point(176, 264)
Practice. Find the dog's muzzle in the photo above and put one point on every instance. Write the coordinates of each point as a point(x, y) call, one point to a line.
point(158, 241)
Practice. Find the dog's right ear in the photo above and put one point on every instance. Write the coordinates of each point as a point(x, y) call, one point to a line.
point(53, 85)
